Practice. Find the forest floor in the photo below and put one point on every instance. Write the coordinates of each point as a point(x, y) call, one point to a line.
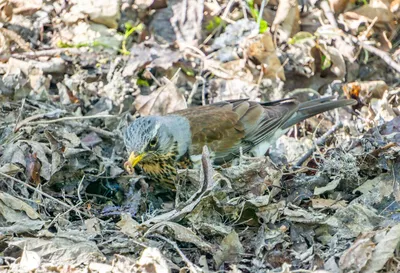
point(75, 73)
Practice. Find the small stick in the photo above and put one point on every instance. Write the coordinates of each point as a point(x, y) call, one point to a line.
point(381, 54)
point(329, 14)
point(260, 13)
point(69, 118)
point(192, 267)
point(50, 52)
point(38, 116)
point(320, 141)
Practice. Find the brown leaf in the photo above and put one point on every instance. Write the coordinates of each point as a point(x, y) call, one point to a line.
point(6, 11)
point(33, 168)
point(263, 50)
point(356, 257)
point(375, 8)
point(287, 19)
point(338, 6)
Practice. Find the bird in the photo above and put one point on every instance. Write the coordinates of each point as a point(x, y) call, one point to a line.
point(159, 145)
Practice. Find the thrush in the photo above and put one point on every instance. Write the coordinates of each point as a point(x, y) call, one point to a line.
point(158, 145)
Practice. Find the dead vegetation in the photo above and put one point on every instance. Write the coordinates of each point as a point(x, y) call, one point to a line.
point(75, 73)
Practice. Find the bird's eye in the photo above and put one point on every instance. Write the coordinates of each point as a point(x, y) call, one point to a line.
point(153, 142)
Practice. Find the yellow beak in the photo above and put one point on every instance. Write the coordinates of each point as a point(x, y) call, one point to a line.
point(132, 161)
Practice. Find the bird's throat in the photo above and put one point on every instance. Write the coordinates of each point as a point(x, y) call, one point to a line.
point(163, 168)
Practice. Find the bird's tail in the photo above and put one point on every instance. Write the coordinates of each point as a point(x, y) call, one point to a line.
point(315, 107)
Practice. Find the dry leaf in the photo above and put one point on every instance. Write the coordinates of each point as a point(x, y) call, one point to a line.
point(320, 203)
point(287, 19)
point(152, 261)
point(33, 168)
point(338, 6)
point(263, 50)
point(231, 249)
point(356, 257)
point(6, 11)
point(165, 99)
point(375, 8)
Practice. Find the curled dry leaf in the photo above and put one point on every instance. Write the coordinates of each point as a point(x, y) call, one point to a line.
point(287, 18)
point(164, 100)
point(231, 249)
point(26, 8)
point(33, 168)
point(384, 250)
point(16, 204)
point(152, 261)
point(6, 11)
point(264, 52)
point(356, 257)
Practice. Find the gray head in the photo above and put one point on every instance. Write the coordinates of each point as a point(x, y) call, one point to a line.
point(147, 137)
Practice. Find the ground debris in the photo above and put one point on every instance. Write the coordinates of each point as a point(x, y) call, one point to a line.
point(74, 74)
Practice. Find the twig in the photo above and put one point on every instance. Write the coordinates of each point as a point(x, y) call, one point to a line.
point(19, 114)
point(381, 54)
point(364, 36)
point(192, 267)
point(50, 52)
point(207, 169)
point(45, 194)
point(100, 131)
point(70, 118)
point(328, 13)
point(26, 121)
point(320, 141)
point(226, 11)
point(260, 13)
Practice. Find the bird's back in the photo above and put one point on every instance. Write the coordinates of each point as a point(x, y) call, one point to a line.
point(226, 126)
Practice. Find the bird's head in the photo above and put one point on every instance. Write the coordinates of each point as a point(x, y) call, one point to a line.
point(149, 141)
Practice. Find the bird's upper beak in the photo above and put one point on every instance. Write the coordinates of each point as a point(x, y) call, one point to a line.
point(132, 161)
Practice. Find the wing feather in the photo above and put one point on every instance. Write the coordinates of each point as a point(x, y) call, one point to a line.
point(226, 126)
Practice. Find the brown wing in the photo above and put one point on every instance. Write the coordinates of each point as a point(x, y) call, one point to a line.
point(227, 126)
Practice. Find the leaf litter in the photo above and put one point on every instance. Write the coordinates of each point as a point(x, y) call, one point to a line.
point(76, 73)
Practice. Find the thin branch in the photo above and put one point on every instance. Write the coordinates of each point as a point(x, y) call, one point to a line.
point(50, 52)
point(68, 118)
point(192, 267)
point(381, 54)
point(319, 142)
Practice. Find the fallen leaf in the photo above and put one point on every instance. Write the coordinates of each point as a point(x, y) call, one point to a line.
point(384, 250)
point(164, 100)
point(152, 261)
point(320, 203)
point(263, 50)
point(287, 18)
point(33, 168)
point(230, 250)
point(356, 257)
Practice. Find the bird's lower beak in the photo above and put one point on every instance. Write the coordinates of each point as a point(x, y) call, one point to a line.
point(132, 161)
